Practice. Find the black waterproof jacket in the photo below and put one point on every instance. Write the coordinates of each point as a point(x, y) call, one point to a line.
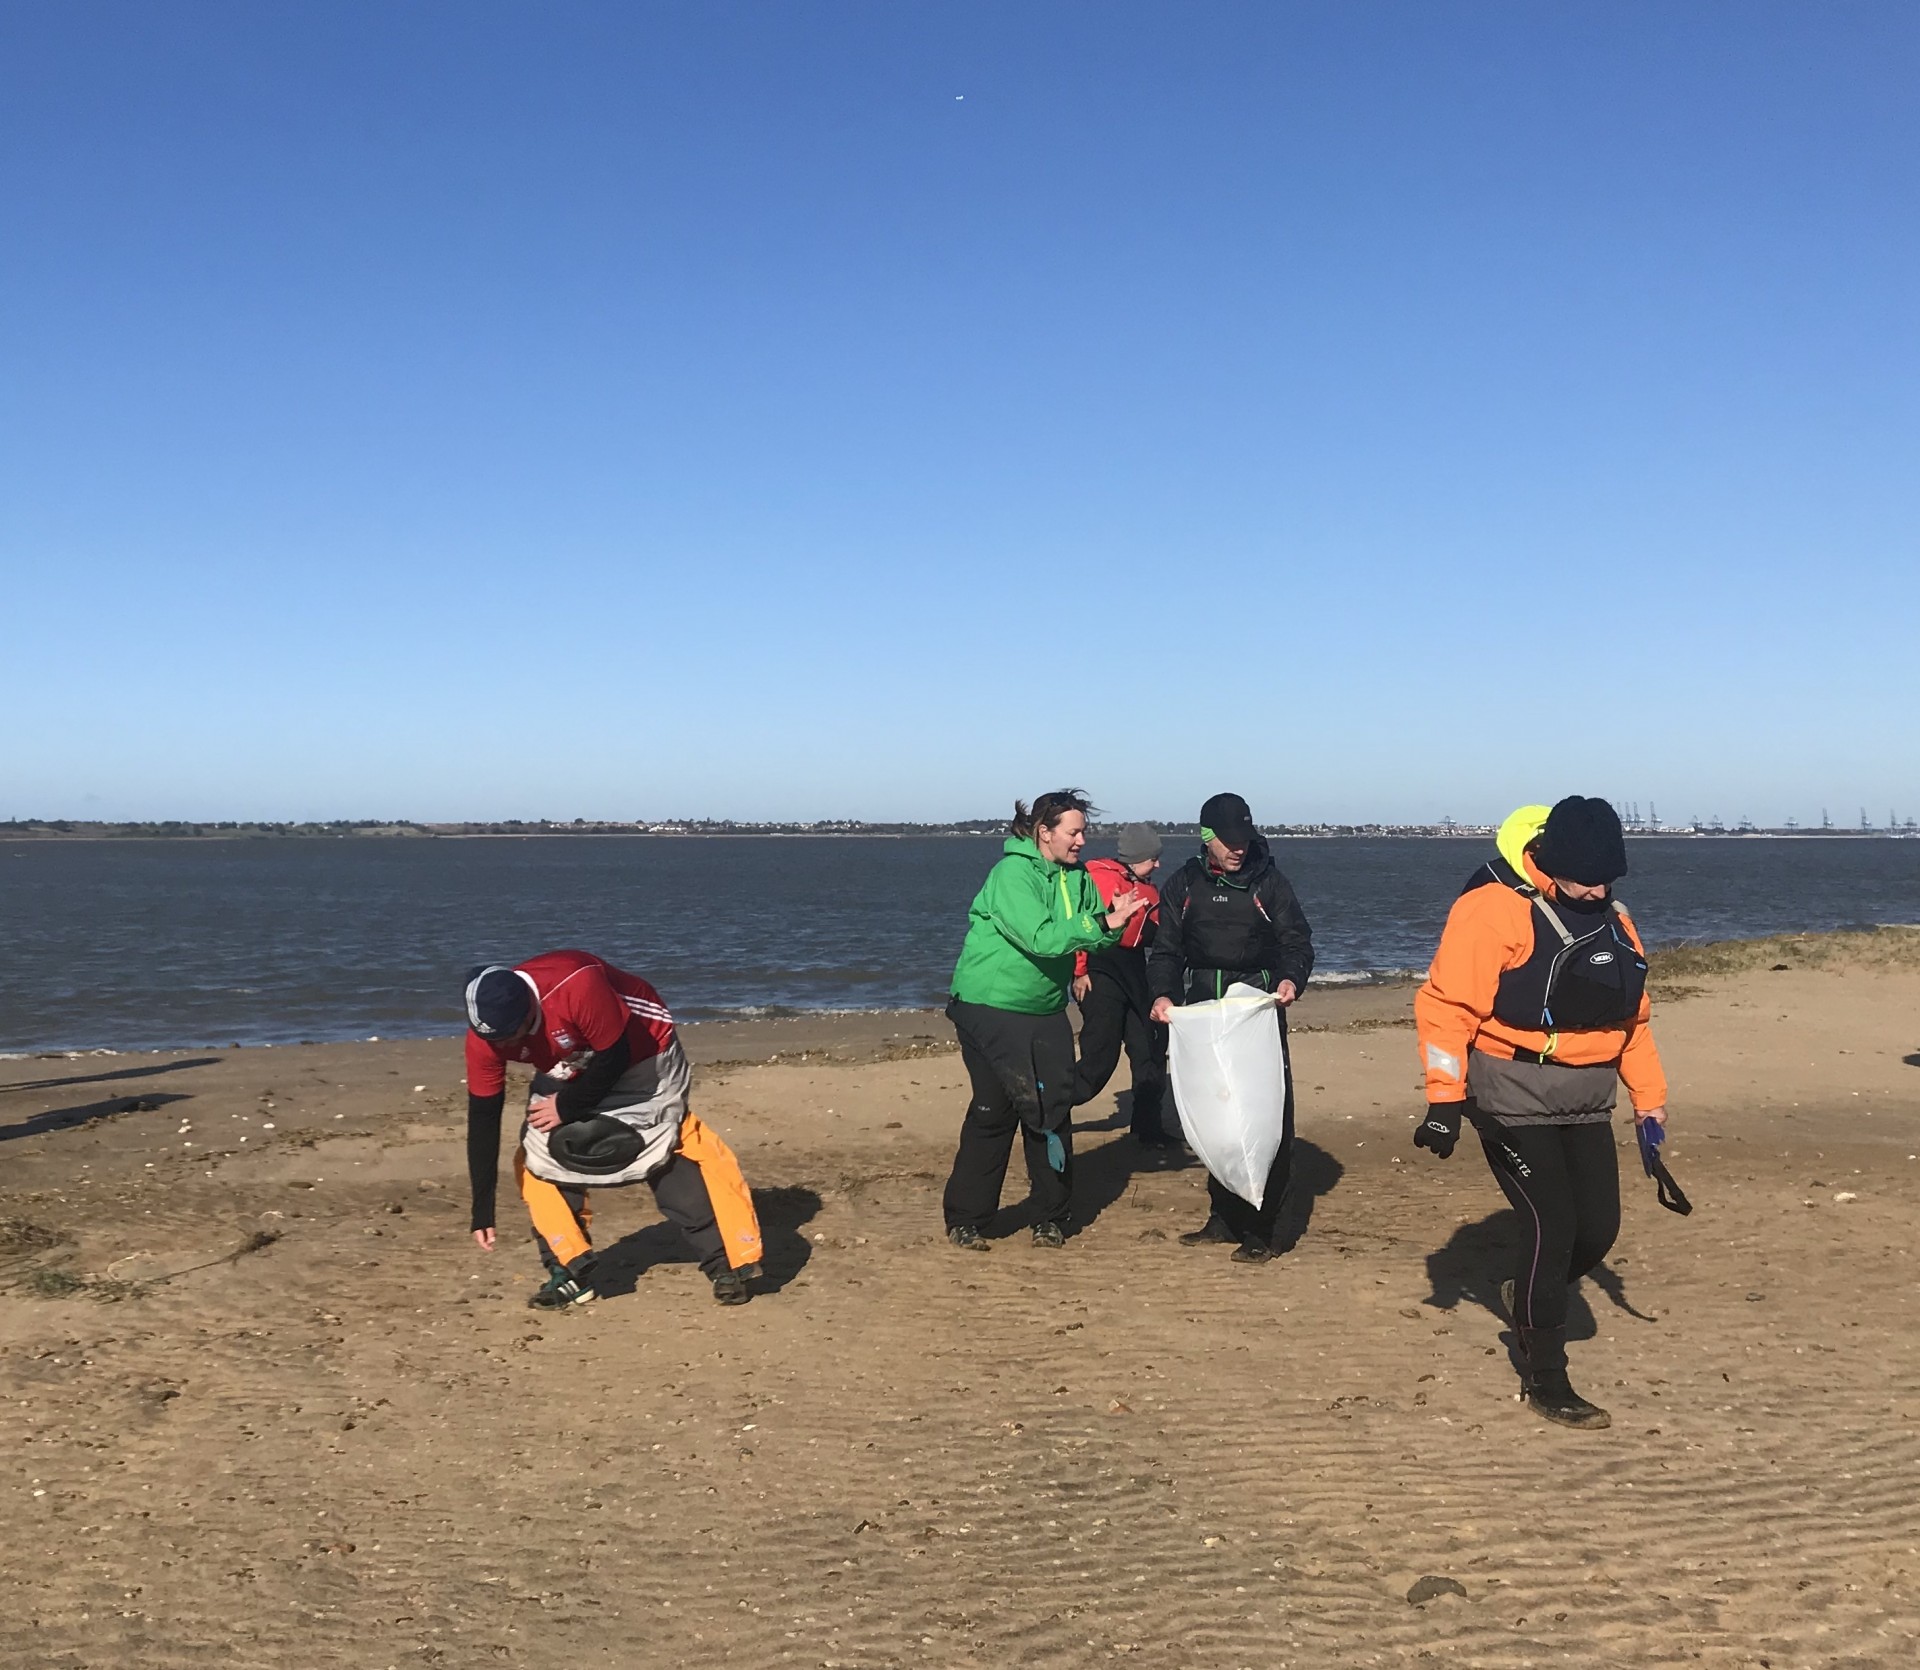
point(1218, 929)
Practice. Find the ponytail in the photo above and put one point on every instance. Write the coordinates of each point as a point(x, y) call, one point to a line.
point(1047, 810)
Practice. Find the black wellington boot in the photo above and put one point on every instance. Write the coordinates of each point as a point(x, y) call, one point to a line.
point(1548, 1392)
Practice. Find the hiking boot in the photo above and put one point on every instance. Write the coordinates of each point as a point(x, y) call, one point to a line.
point(1212, 1233)
point(730, 1287)
point(564, 1288)
point(1253, 1252)
point(968, 1239)
point(1049, 1235)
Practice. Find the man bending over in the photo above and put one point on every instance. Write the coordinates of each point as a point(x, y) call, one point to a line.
point(608, 1107)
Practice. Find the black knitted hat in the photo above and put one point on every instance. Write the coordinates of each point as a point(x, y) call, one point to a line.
point(1582, 842)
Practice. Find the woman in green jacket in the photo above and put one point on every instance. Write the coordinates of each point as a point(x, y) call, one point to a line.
point(1037, 909)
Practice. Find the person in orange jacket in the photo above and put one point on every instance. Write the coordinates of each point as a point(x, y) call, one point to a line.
point(1534, 1012)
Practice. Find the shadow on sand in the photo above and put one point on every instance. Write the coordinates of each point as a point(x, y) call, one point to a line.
point(1102, 1176)
point(65, 1119)
point(782, 1213)
point(107, 1078)
point(1478, 1257)
point(1316, 1174)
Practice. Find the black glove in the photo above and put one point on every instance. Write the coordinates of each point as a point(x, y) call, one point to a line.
point(1440, 1130)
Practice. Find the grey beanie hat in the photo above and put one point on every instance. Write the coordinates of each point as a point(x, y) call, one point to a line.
point(1138, 843)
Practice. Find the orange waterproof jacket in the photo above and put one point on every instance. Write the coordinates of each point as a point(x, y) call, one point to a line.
point(1490, 930)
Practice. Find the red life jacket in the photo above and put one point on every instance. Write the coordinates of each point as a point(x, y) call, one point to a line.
point(1113, 878)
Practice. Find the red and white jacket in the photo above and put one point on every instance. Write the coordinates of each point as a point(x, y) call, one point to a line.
point(586, 1005)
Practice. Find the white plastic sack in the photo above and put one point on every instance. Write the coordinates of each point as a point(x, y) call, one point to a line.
point(1229, 1073)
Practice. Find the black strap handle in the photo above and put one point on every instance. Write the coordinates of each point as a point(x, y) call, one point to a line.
point(1671, 1195)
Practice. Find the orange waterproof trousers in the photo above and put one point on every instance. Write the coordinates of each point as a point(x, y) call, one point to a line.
point(700, 1190)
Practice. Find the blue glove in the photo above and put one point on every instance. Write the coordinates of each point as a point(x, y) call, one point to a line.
point(1651, 1134)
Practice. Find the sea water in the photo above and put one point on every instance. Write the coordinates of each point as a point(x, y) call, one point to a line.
point(155, 944)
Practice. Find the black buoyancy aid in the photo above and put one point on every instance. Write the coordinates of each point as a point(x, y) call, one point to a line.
point(1226, 928)
point(1581, 975)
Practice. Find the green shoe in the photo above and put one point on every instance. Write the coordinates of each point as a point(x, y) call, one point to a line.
point(730, 1288)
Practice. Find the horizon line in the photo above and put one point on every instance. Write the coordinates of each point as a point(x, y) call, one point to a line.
point(177, 828)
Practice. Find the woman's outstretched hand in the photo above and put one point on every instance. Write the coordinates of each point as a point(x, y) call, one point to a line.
point(1126, 907)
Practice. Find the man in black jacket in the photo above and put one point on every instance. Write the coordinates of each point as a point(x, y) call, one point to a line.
point(1229, 916)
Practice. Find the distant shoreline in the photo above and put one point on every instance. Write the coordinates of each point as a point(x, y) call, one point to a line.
point(34, 830)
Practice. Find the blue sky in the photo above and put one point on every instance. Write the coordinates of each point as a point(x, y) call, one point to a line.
point(1389, 410)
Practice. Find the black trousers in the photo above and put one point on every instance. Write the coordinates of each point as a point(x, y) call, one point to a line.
point(680, 1191)
point(1022, 1073)
point(1564, 1181)
point(1113, 1015)
point(1247, 1221)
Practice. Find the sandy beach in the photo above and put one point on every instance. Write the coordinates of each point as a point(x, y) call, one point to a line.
point(270, 1406)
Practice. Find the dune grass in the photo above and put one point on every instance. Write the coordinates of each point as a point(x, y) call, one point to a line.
point(1865, 949)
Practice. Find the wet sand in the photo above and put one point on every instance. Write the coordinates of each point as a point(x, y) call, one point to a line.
point(271, 1407)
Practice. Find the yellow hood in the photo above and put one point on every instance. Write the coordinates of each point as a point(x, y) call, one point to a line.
point(1520, 830)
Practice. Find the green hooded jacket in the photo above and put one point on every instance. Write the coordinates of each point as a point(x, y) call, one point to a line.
point(1023, 929)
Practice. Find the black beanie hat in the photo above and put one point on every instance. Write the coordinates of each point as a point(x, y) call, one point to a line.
point(498, 1001)
point(1582, 842)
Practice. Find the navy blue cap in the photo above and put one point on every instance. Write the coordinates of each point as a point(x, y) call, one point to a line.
point(1226, 816)
point(498, 1001)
